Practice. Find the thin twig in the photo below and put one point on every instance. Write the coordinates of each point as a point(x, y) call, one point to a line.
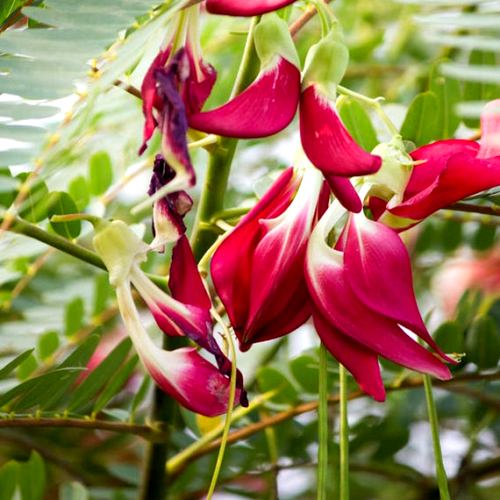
point(408, 383)
point(144, 431)
point(476, 209)
point(310, 12)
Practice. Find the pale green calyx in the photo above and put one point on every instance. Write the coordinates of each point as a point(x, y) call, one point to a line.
point(119, 248)
point(326, 63)
point(393, 175)
point(272, 38)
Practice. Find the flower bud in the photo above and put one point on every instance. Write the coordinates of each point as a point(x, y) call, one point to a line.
point(326, 63)
point(272, 38)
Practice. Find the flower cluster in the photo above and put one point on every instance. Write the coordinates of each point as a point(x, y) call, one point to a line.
point(322, 242)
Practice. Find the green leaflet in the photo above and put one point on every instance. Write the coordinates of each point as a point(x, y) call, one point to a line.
point(12, 365)
point(358, 122)
point(421, 121)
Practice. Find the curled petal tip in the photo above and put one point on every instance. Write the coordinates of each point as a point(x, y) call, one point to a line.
point(326, 141)
point(267, 106)
point(245, 8)
point(344, 191)
point(191, 380)
point(359, 361)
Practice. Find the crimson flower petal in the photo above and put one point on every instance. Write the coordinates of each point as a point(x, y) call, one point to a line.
point(199, 84)
point(150, 99)
point(434, 158)
point(191, 380)
point(267, 106)
point(333, 296)
point(326, 141)
point(231, 265)
point(185, 281)
point(182, 373)
point(245, 8)
point(362, 363)
point(343, 190)
point(463, 176)
point(378, 269)
point(277, 280)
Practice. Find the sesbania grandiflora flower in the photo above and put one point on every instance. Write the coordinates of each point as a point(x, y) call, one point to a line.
point(363, 300)
point(269, 104)
point(183, 373)
point(258, 269)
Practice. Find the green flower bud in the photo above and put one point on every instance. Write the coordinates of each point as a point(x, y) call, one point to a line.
point(119, 248)
point(326, 63)
point(272, 38)
point(392, 178)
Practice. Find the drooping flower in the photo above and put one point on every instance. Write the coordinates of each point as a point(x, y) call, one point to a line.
point(169, 211)
point(449, 171)
point(175, 86)
point(182, 373)
point(258, 269)
point(269, 104)
point(364, 301)
point(325, 140)
point(246, 8)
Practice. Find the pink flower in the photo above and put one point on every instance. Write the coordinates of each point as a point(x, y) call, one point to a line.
point(245, 8)
point(182, 373)
point(258, 269)
point(363, 298)
point(467, 272)
point(269, 104)
point(325, 140)
point(452, 170)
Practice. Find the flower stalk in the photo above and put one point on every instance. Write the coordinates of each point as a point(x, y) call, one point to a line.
point(442, 479)
point(322, 425)
point(344, 435)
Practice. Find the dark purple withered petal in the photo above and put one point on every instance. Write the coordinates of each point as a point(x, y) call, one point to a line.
point(169, 211)
point(172, 119)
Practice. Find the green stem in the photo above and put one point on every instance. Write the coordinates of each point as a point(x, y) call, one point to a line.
point(344, 436)
point(322, 425)
point(20, 226)
point(230, 407)
point(219, 166)
point(373, 103)
point(442, 480)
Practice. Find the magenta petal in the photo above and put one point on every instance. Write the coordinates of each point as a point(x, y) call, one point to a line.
point(463, 176)
point(326, 141)
point(378, 268)
point(277, 279)
point(199, 84)
point(150, 98)
point(434, 158)
point(245, 7)
point(267, 106)
point(191, 380)
point(185, 281)
point(343, 190)
point(361, 362)
point(330, 290)
point(231, 265)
